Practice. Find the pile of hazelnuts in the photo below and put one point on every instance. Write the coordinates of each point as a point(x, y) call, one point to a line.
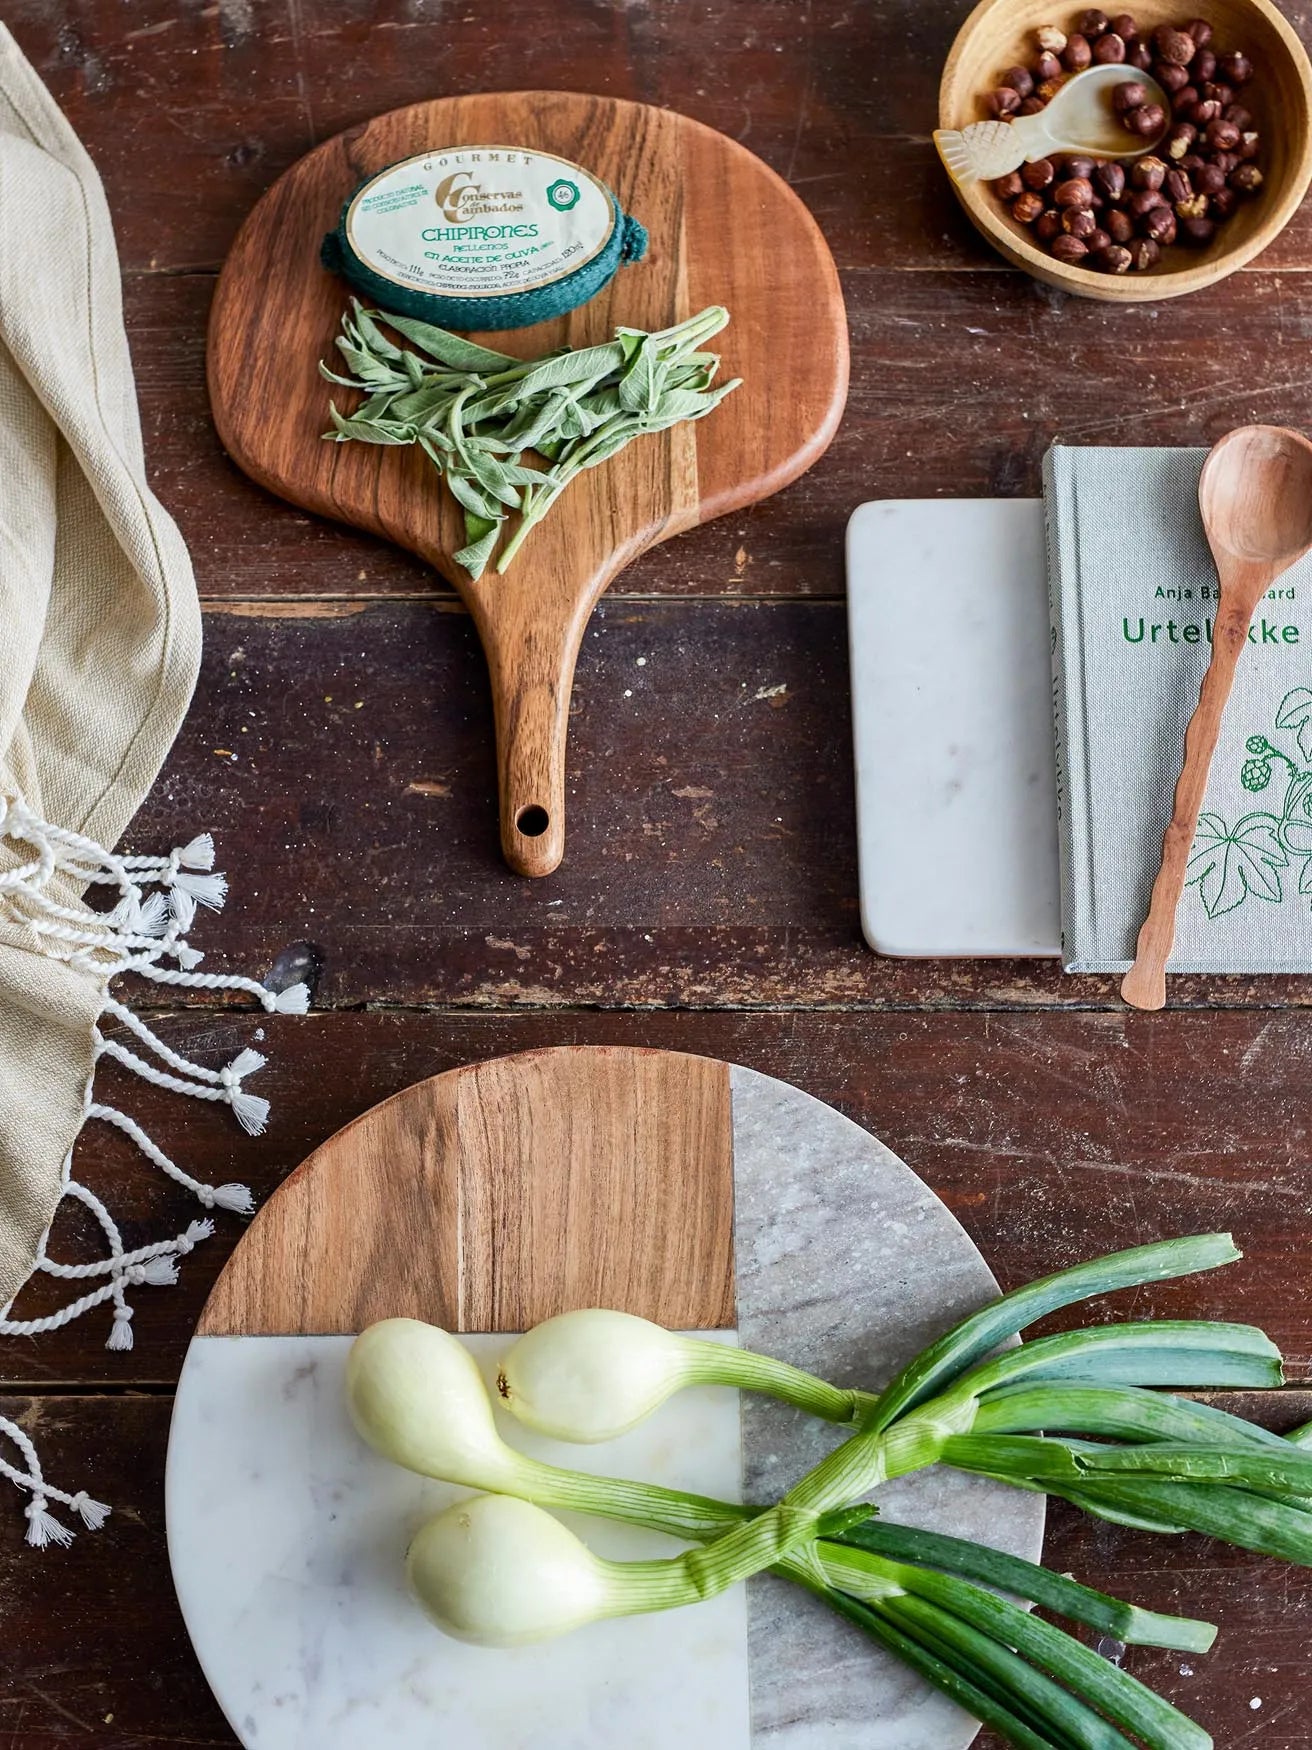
point(1101, 214)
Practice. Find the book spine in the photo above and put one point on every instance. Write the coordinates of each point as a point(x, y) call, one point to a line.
point(1061, 726)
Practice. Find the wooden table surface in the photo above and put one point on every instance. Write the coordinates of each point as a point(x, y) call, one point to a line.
point(340, 747)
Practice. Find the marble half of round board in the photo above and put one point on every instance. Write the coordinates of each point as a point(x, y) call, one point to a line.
point(952, 719)
point(682, 1188)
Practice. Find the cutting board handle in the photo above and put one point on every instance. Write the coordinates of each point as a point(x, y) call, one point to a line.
point(531, 658)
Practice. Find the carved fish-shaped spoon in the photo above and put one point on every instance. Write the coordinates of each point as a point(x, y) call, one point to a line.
point(1080, 118)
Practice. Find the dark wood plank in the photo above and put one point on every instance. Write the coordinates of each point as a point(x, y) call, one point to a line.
point(1052, 1138)
point(985, 368)
point(191, 113)
point(343, 756)
point(95, 1651)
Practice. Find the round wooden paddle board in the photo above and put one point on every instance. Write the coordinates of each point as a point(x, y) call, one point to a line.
point(724, 229)
point(706, 1196)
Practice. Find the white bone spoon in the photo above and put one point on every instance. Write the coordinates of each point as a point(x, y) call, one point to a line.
point(1080, 118)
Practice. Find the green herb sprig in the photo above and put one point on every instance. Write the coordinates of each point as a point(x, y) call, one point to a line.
point(477, 413)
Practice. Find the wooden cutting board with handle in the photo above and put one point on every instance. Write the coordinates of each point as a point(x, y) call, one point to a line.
point(724, 229)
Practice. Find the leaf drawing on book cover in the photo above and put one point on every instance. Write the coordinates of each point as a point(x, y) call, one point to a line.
point(1228, 864)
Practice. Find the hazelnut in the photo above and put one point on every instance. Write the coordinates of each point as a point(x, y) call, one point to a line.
point(1115, 258)
point(1118, 225)
point(1048, 225)
point(1144, 254)
point(1077, 164)
point(1204, 112)
point(1003, 101)
point(1203, 67)
point(1008, 187)
point(1031, 106)
point(1051, 40)
point(1198, 233)
point(1148, 172)
point(1237, 68)
point(1075, 193)
point(1161, 225)
point(1225, 161)
point(1144, 201)
point(1221, 204)
point(1047, 67)
point(1132, 95)
point(1124, 25)
point(1040, 174)
point(1147, 121)
point(1222, 136)
point(1200, 30)
point(1194, 206)
point(1174, 46)
point(1139, 54)
point(1241, 117)
point(1184, 100)
point(1079, 222)
point(1216, 91)
point(1182, 138)
point(1209, 179)
point(1172, 78)
point(1027, 207)
point(1096, 240)
point(1109, 50)
point(1178, 187)
point(1078, 54)
point(1250, 144)
point(1068, 249)
point(1109, 180)
point(1093, 23)
point(1020, 79)
point(1246, 178)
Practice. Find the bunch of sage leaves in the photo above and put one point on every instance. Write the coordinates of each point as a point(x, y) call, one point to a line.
point(477, 413)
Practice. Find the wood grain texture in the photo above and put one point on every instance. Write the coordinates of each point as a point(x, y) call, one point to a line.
point(723, 230)
point(1000, 33)
point(495, 1196)
point(1051, 1137)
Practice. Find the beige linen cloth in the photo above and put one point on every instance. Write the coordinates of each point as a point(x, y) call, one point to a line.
point(99, 647)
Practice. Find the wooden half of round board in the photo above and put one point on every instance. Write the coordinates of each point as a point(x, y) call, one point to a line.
point(684, 1189)
point(723, 229)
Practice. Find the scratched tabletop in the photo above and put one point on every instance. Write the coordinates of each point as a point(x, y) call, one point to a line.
point(340, 747)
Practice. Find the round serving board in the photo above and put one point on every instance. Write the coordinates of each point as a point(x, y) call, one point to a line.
point(685, 1189)
point(723, 229)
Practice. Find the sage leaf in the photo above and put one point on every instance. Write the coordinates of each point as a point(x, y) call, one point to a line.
point(477, 413)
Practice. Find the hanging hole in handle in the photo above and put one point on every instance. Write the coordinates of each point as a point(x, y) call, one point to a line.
point(532, 821)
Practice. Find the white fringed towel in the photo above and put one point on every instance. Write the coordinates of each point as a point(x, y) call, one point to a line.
point(99, 648)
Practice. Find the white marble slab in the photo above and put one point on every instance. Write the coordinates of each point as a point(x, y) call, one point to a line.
point(949, 634)
point(287, 1537)
point(847, 1265)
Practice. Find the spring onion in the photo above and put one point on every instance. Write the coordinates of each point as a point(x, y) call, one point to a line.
point(592, 1375)
point(503, 1572)
point(1066, 1415)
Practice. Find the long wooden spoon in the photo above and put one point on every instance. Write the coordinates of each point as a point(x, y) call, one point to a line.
point(1256, 498)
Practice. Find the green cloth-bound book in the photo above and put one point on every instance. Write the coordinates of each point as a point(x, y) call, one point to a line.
point(1133, 593)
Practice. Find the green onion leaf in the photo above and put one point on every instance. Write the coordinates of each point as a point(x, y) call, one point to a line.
point(1008, 1573)
point(974, 1337)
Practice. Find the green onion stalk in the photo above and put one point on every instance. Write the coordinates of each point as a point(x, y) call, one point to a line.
point(1071, 1415)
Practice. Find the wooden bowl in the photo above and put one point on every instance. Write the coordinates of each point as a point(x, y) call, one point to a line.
point(1000, 33)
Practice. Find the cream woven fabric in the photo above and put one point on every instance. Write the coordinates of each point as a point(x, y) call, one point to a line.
point(99, 622)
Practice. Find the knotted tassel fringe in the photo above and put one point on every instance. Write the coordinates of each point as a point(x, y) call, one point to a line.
point(140, 934)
